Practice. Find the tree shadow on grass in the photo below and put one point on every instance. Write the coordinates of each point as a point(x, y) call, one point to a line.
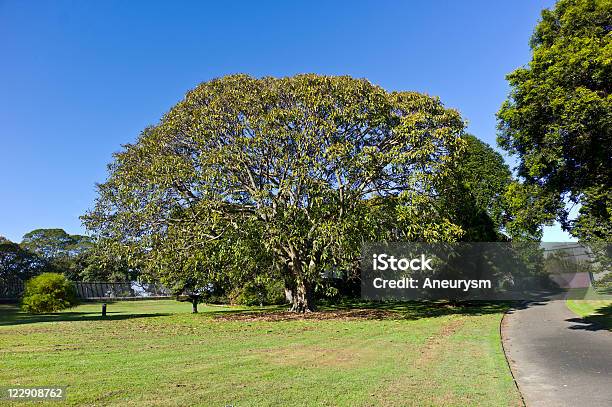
point(345, 310)
point(367, 310)
point(602, 321)
point(12, 315)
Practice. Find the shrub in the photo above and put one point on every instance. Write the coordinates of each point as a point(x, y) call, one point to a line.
point(604, 281)
point(48, 292)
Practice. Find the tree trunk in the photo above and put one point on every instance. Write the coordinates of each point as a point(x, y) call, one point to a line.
point(298, 291)
point(302, 298)
point(195, 299)
point(289, 295)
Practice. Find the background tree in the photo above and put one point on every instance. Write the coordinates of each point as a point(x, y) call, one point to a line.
point(17, 263)
point(474, 195)
point(304, 169)
point(558, 118)
point(478, 196)
point(102, 262)
point(61, 252)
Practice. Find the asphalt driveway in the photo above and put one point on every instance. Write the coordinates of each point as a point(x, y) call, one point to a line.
point(557, 358)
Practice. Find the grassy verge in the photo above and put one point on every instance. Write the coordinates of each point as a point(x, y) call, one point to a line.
point(599, 312)
point(156, 353)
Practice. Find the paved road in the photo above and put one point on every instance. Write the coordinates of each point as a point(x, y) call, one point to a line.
point(558, 359)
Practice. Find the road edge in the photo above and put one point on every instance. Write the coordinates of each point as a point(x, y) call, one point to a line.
point(502, 339)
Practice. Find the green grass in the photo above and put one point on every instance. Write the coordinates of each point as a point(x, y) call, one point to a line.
point(599, 312)
point(156, 353)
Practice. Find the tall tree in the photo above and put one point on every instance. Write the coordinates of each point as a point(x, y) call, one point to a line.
point(297, 170)
point(17, 263)
point(558, 118)
point(62, 252)
point(478, 196)
point(100, 262)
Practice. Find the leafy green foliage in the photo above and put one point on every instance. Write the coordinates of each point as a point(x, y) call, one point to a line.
point(103, 263)
point(558, 118)
point(486, 176)
point(17, 263)
point(261, 291)
point(48, 292)
point(60, 251)
point(604, 282)
point(285, 176)
point(477, 196)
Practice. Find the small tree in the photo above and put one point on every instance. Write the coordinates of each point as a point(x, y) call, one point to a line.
point(48, 292)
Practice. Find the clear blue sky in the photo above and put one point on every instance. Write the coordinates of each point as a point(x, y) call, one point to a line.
point(80, 78)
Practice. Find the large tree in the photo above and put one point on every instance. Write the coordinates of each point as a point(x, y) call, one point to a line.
point(17, 263)
point(102, 263)
point(284, 175)
point(61, 252)
point(558, 119)
point(478, 196)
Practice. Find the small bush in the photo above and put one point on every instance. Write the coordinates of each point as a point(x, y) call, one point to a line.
point(604, 281)
point(48, 292)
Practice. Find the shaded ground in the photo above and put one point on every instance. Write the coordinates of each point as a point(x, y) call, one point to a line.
point(375, 311)
point(390, 355)
point(596, 313)
point(557, 358)
point(10, 314)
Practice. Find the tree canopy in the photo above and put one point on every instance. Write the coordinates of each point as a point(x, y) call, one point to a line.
point(17, 263)
point(60, 251)
point(278, 175)
point(558, 119)
point(478, 196)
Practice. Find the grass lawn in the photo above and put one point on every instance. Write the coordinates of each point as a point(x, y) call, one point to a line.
point(156, 353)
point(599, 312)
